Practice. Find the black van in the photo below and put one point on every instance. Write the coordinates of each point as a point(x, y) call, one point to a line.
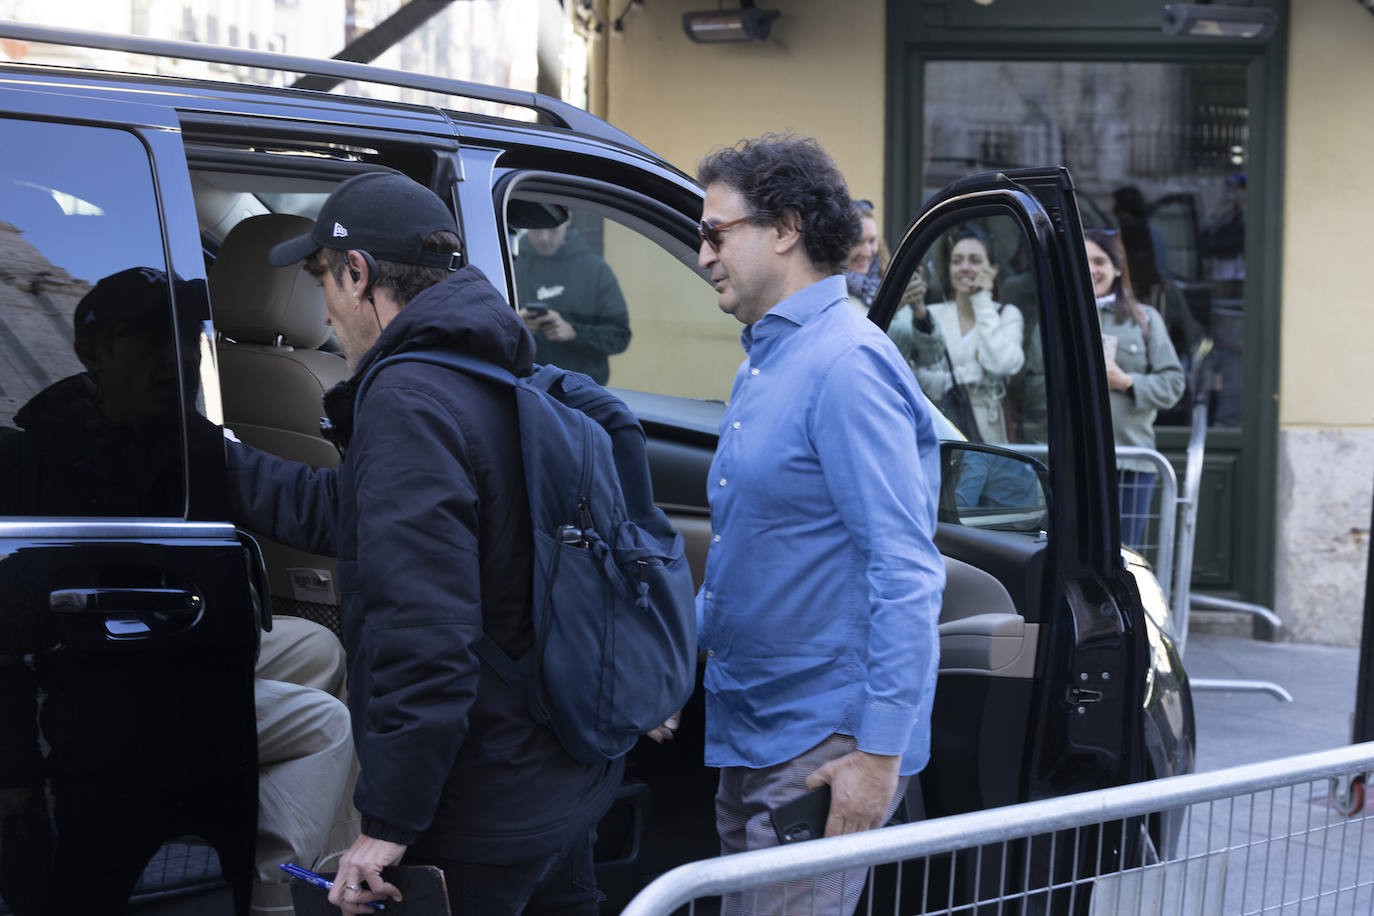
point(132, 612)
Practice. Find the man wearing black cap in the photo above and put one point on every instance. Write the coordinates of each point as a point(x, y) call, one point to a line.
point(429, 518)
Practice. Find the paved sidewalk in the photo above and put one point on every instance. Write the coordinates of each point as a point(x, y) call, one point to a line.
point(1287, 849)
point(1236, 728)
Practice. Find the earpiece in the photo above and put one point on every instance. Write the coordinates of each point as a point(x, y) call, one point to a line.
point(371, 269)
point(371, 263)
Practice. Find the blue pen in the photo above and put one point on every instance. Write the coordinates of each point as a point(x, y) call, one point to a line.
point(310, 877)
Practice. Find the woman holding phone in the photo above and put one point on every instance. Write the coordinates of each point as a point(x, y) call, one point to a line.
point(964, 349)
point(1143, 372)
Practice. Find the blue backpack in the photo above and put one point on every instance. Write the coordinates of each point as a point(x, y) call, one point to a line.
point(615, 641)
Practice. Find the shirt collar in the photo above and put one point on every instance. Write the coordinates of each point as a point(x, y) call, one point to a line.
point(1107, 302)
point(797, 309)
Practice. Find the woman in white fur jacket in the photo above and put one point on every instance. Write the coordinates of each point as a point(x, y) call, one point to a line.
point(973, 335)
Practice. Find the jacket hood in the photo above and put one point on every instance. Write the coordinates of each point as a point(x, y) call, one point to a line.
point(463, 313)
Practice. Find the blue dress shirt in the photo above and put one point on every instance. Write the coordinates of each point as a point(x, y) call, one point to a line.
point(822, 593)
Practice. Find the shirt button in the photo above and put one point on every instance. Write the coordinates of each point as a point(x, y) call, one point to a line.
point(753, 372)
point(710, 595)
point(715, 539)
point(710, 653)
point(735, 425)
point(722, 481)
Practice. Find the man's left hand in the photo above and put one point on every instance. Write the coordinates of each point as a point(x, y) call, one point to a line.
point(861, 789)
point(364, 861)
point(556, 327)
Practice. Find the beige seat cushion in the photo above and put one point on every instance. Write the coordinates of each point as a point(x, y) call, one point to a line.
point(271, 320)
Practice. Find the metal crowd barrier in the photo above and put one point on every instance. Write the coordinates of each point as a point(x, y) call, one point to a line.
point(1159, 520)
point(1256, 839)
point(1159, 540)
point(1182, 596)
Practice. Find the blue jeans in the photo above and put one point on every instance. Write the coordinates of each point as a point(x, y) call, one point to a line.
point(562, 883)
point(1135, 489)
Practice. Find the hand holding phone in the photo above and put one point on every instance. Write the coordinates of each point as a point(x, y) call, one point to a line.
point(802, 818)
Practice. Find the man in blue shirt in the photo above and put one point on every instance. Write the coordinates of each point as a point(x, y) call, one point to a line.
point(822, 592)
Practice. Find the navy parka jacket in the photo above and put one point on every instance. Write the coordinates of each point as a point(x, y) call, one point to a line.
point(429, 519)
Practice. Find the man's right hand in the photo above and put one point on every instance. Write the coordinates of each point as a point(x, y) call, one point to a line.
point(363, 862)
point(862, 787)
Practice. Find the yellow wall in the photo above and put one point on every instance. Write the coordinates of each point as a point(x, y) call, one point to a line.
point(1328, 294)
point(820, 73)
point(681, 343)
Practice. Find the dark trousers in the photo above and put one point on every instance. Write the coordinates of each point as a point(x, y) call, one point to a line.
point(562, 883)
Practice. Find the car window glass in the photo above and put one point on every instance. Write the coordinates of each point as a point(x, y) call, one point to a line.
point(968, 327)
point(89, 394)
point(1170, 175)
point(992, 490)
point(224, 199)
point(607, 294)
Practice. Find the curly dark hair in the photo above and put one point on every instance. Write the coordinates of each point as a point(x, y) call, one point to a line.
point(778, 175)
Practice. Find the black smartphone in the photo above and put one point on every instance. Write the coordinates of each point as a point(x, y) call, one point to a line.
point(803, 818)
point(537, 311)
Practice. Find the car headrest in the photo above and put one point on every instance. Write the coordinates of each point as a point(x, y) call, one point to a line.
point(254, 302)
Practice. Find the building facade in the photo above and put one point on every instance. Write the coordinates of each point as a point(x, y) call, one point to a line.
point(1248, 154)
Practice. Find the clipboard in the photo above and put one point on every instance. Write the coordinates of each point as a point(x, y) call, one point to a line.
point(422, 886)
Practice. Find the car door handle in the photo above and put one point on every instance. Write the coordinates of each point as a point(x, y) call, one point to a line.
point(173, 602)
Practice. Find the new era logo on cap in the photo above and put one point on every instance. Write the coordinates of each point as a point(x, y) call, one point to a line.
point(381, 212)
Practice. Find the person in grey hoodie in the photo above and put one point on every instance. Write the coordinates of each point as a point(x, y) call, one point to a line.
point(570, 301)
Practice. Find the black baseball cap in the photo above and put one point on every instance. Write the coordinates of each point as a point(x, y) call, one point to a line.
point(136, 300)
point(383, 213)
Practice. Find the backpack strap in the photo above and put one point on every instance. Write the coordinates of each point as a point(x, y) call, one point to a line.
point(486, 647)
point(508, 671)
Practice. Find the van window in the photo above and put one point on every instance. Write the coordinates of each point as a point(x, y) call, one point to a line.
point(90, 401)
point(607, 293)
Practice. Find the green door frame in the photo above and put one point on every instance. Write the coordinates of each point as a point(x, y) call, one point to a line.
point(921, 31)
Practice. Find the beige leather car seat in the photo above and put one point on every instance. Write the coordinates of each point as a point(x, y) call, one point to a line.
point(271, 322)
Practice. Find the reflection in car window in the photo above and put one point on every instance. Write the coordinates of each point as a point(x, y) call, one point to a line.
point(637, 307)
point(992, 490)
point(968, 327)
point(569, 298)
point(89, 400)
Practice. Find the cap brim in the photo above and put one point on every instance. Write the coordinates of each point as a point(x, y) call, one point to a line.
point(293, 250)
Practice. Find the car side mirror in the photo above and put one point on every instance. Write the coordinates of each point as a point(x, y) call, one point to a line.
point(990, 487)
